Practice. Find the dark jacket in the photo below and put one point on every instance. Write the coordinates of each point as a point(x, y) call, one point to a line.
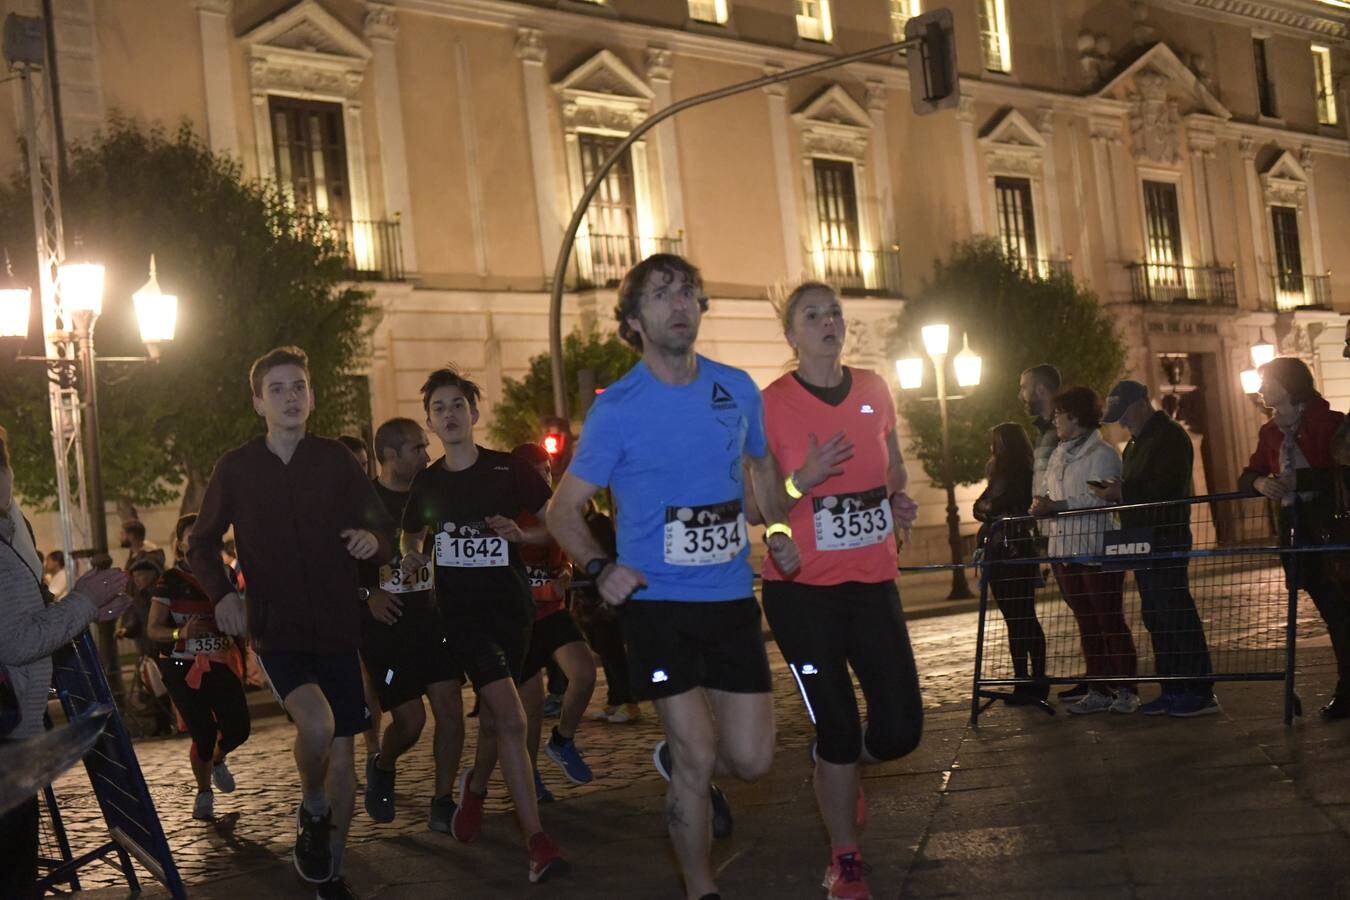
point(1156, 466)
point(1008, 494)
point(288, 519)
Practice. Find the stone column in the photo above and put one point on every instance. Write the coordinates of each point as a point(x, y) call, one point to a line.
point(660, 71)
point(1045, 124)
point(965, 115)
point(547, 178)
point(881, 164)
point(213, 19)
point(1256, 209)
point(782, 163)
point(381, 28)
point(1305, 159)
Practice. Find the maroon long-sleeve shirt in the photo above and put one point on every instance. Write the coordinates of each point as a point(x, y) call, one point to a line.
point(287, 518)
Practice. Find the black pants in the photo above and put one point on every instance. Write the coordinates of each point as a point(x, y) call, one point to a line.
point(1014, 589)
point(19, 851)
point(1179, 646)
point(1308, 572)
point(603, 635)
point(216, 713)
point(822, 631)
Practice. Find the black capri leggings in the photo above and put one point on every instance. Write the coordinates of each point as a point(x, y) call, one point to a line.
point(821, 631)
point(215, 713)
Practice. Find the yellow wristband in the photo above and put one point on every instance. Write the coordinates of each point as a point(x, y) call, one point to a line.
point(175, 635)
point(790, 485)
point(778, 528)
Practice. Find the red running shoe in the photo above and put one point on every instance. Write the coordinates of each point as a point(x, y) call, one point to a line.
point(467, 821)
point(546, 859)
point(845, 879)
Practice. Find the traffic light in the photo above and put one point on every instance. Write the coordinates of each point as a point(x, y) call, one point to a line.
point(557, 438)
point(933, 80)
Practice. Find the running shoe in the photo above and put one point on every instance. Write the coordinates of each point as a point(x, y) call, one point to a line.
point(602, 714)
point(541, 792)
point(1190, 706)
point(1094, 702)
point(546, 859)
point(222, 778)
point(313, 856)
point(379, 791)
point(467, 820)
point(569, 759)
point(204, 807)
point(846, 878)
point(1127, 701)
point(625, 715)
point(336, 889)
point(442, 814)
point(722, 822)
point(1073, 694)
point(1160, 705)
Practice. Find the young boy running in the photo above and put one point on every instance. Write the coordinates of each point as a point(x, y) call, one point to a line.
point(303, 514)
point(460, 513)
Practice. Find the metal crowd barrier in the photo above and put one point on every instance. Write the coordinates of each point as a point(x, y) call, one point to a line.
point(1220, 598)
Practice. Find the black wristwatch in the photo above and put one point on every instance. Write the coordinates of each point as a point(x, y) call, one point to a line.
point(363, 594)
point(596, 566)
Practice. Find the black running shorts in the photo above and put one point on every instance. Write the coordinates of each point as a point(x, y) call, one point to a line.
point(405, 657)
point(674, 646)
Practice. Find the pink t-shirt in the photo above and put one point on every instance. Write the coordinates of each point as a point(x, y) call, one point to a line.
point(843, 526)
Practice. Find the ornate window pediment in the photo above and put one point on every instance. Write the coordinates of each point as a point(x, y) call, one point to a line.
point(833, 124)
point(1013, 146)
point(1285, 182)
point(306, 51)
point(604, 95)
point(1160, 89)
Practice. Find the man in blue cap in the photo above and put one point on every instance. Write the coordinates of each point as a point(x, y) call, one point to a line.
point(1157, 467)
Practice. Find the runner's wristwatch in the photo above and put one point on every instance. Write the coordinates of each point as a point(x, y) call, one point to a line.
point(597, 566)
point(363, 594)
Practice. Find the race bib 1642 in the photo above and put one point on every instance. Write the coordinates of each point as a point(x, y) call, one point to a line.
point(473, 546)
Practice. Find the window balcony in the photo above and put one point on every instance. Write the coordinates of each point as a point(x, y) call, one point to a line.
point(1170, 284)
point(373, 248)
point(1045, 268)
point(602, 260)
point(857, 272)
point(1295, 291)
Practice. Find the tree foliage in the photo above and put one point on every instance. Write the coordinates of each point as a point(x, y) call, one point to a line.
point(516, 419)
point(1014, 321)
point(250, 273)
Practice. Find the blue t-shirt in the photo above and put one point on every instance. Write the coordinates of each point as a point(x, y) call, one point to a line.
point(671, 454)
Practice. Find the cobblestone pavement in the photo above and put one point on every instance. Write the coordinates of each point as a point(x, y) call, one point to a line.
point(254, 824)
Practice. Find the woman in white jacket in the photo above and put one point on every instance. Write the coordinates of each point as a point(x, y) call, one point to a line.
point(1094, 596)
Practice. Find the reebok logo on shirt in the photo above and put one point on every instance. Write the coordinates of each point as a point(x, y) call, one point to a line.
point(721, 397)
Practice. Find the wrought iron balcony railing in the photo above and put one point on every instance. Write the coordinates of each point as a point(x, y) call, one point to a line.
point(603, 259)
point(1294, 290)
point(373, 248)
point(1167, 283)
point(854, 271)
point(1045, 268)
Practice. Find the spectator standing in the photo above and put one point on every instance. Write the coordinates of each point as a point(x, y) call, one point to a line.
point(1157, 467)
point(1293, 465)
point(1037, 389)
point(54, 570)
point(1008, 494)
point(1094, 595)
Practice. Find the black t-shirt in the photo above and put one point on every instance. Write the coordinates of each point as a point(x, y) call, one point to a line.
point(475, 569)
point(394, 502)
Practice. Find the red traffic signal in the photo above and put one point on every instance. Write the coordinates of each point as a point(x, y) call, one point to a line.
point(556, 434)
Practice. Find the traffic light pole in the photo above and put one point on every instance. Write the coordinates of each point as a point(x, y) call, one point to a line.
point(555, 341)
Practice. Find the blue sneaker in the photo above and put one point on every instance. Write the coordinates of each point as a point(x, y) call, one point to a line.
point(541, 792)
point(568, 758)
point(1160, 705)
point(1190, 706)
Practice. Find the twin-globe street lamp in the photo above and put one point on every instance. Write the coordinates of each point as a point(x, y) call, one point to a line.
point(967, 365)
point(75, 366)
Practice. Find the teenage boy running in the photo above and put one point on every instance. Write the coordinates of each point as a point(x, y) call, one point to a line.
point(405, 647)
point(460, 513)
point(303, 514)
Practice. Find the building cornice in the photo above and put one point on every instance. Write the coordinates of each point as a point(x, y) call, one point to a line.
point(512, 15)
point(1300, 18)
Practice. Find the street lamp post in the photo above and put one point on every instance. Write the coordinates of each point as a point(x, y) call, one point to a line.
point(81, 299)
point(936, 343)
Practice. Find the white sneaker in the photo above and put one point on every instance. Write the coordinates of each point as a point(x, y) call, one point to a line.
point(1094, 702)
point(222, 778)
point(1127, 701)
point(203, 808)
